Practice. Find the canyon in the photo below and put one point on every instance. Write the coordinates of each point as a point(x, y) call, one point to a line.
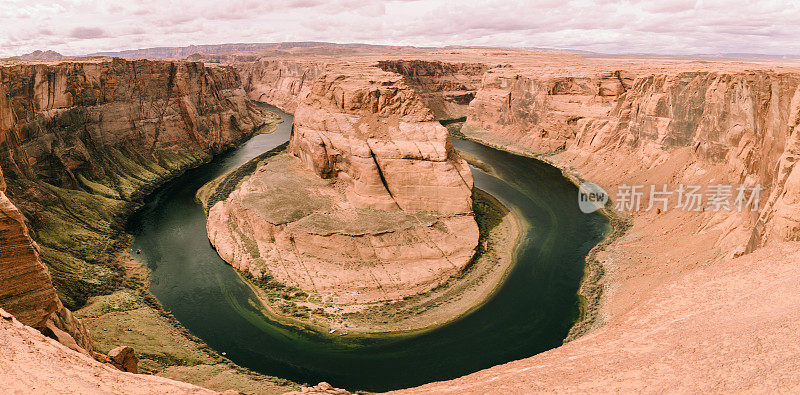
point(691, 301)
point(80, 143)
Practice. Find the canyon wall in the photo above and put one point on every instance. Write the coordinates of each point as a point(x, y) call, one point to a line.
point(56, 119)
point(541, 112)
point(278, 82)
point(446, 88)
point(683, 294)
point(374, 204)
point(740, 123)
point(79, 141)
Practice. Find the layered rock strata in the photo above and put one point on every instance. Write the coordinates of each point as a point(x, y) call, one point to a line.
point(374, 203)
point(279, 82)
point(446, 88)
point(683, 290)
point(78, 141)
point(740, 123)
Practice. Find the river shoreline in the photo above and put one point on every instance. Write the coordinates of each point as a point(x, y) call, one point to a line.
point(190, 279)
point(592, 285)
point(455, 298)
point(185, 357)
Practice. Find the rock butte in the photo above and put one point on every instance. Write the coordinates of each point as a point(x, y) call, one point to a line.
point(393, 217)
point(692, 301)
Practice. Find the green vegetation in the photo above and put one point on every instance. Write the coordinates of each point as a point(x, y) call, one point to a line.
point(79, 229)
point(123, 318)
point(220, 188)
point(489, 213)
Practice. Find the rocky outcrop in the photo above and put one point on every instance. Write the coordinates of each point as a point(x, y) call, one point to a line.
point(31, 362)
point(25, 287)
point(321, 388)
point(374, 132)
point(384, 212)
point(446, 88)
point(124, 359)
point(279, 82)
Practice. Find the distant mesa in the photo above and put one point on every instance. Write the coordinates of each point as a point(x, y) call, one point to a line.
point(39, 55)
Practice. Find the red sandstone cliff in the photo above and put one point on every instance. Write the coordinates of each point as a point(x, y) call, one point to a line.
point(278, 82)
point(446, 88)
point(78, 140)
point(739, 122)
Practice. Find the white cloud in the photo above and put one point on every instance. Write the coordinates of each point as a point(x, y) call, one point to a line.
point(76, 27)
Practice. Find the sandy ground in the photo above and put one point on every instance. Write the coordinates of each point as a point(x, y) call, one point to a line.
point(725, 327)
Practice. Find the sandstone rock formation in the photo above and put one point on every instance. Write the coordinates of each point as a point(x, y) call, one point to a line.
point(278, 82)
point(386, 211)
point(446, 88)
point(124, 359)
point(374, 132)
point(25, 287)
point(31, 362)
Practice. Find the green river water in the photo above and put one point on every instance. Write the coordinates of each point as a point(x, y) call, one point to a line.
point(530, 313)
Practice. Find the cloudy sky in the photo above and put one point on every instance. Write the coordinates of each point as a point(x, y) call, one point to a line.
point(75, 27)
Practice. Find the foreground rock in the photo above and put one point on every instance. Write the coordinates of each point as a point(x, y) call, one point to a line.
point(31, 362)
point(124, 359)
point(384, 212)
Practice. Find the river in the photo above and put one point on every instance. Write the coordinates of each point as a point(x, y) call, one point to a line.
point(530, 313)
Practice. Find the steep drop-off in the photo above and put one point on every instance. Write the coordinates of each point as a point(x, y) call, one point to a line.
point(681, 289)
point(81, 140)
point(79, 143)
point(278, 82)
point(446, 88)
point(738, 123)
